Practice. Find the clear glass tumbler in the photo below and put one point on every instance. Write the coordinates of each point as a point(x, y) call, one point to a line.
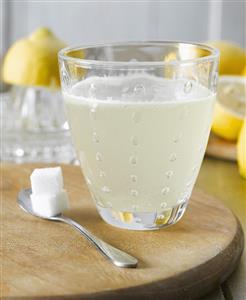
point(140, 117)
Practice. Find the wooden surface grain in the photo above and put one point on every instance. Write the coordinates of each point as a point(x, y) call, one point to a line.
point(215, 295)
point(43, 258)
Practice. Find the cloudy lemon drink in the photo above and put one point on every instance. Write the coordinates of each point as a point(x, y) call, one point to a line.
point(141, 147)
point(140, 140)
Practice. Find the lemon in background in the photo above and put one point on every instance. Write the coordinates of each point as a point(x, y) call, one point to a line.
point(230, 107)
point(241, 150)
point(232, 57)
point(244, 71)
point(225, 124)
point(32, 61)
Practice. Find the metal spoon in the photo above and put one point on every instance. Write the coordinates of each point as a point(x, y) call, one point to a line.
point(116, 256)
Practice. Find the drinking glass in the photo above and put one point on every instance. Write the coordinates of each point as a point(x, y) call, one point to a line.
point(140, 116)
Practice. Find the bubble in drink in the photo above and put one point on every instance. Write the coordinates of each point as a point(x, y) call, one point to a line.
point(188, 87)
point(177, 138)
point(95, 137)
point(169, 174)
point(98, 156)
point(165, 191)
point(133, 178)
point(173, 157)
point(92, 90)
point(134, 193)
point(139, 89)
point(102, 174)
point(133, 160)
point(106, 189)
point(134, 141)
point(163, 205)
point(136, 117)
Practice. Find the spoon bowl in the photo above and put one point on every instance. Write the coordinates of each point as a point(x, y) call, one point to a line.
point(24, 201)
point(116, 256)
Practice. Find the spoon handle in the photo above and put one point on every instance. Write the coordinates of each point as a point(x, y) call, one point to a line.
point(116, 256)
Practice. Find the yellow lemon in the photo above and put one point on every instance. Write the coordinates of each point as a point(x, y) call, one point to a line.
point(230, 107)
point(232, 57)
point(244, 71)
point(32, 61)
point(241, 150)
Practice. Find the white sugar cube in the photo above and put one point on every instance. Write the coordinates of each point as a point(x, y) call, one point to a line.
point(47, 181)
point(48, 205)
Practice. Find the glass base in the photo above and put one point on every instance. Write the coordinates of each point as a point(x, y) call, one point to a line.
point(142, 221)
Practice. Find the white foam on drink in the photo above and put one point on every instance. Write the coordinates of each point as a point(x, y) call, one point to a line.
point(140, 88)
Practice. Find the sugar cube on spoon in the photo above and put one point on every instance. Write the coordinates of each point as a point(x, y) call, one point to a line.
point(48, 196)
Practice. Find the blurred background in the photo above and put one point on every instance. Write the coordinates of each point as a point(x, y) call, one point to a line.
point(33, 120)
point(88, 22)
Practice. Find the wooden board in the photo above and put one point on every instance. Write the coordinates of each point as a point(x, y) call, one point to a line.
point(47, 259)
point(221, 179)
point(220, 148)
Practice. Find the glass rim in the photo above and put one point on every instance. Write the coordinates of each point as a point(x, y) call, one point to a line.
point(62, 54)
